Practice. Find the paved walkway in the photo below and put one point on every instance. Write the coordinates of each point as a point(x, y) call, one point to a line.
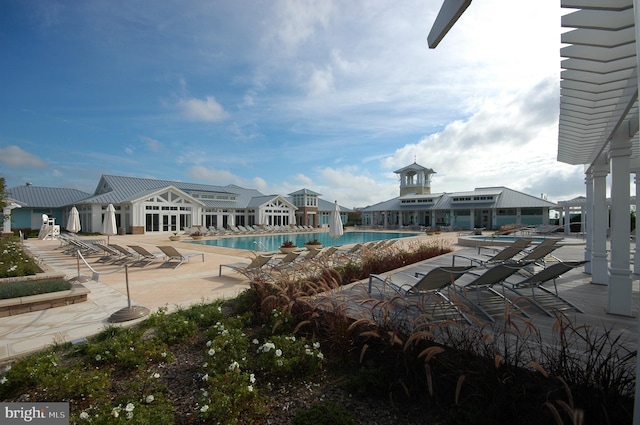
point(151, 287)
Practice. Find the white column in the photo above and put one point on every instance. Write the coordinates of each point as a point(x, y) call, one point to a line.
point(620, 288)
point(6, 224)
point(567, 218)
point(599, 260)
point(589, 230)
point(636, 253)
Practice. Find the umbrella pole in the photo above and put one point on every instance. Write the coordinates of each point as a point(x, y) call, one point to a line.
point(129, 312)
point(126, 279)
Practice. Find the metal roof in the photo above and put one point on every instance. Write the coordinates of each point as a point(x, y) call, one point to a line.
point(305, 192)
point(44, 197)
point(598, 87)
point(503, 198)
point(123, 189)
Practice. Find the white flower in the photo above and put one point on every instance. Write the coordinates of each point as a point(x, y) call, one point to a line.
point(278, 352)
point(3, 380)
point(320, 356)
point(164, 354)
point(84, 415)
point(212, 351)
point(268, 346)
point(205, 377)
point(316, 345)
point(98, 357)
point(149, 398)
point(129, 415)
point(204, 408)
point(233, 366)
point(252, 378)
point(209, 343)
point(279, 363)
point(255, 341)
point(115, 412)
point(250, 388)
point(129, 407)
point(156, 375)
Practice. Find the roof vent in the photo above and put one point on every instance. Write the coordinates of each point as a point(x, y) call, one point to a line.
point(28, 184)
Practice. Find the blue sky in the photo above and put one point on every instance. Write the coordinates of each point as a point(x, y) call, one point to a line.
point(332, 96)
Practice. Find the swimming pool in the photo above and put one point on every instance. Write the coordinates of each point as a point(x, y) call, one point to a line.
point(273, 242)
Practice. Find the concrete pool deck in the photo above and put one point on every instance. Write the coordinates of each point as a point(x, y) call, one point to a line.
point(152, 287)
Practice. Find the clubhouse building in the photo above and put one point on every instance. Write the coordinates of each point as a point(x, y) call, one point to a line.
point(162, 206)
point(488, 207)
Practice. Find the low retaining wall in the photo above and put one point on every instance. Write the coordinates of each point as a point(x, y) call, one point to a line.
point(12, 306)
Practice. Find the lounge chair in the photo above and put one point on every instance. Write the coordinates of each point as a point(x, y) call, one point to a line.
point(248, 269)
point(173, 258)
point(434, 280)
point(500, 256)
point(542, 297)
point(430, 288)
point(287, 260)
point(86, 249)
point(144, 256)
point(110, 255)
point(125, 254)
point(538, 254)
point(495, 302)
point(350, 254)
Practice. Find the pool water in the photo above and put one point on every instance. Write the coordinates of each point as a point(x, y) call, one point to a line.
point(273, 242)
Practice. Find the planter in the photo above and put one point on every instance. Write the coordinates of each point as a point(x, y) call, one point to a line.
point(175, 238)
point(288, 249)
point(13, 306)
point(311, 246)
point(197, 237)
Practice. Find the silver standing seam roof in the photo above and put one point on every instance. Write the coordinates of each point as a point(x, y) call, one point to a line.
point(45, 197)
point(122, 189)
point(503, 197)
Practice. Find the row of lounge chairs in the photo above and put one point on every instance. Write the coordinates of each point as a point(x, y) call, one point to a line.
point(484, 281)
point(303, 263)
point(246, 230)
point(132, 255)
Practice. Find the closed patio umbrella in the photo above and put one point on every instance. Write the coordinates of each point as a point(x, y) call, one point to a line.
point(109, 223)
point(73, 224)
point(335, 223)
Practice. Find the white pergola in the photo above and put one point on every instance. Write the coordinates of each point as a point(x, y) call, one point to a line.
point(598, 128)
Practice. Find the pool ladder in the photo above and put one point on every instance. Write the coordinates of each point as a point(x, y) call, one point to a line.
point(260, 246)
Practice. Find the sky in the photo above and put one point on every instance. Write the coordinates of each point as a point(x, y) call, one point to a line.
point(280, 95)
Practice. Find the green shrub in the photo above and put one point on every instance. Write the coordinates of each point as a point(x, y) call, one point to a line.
point(26, 288)
point(170, 328)
point(125, 348)
point(14, 261)
point(288, 356)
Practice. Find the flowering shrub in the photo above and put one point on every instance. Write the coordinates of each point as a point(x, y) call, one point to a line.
point(288, 355)
point(125, 348)
point(14, 261)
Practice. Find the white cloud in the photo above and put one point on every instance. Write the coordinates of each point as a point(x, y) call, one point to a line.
point(208, 110)
point(214, 176)
point(14, 157)
point(320, 82)
point(151, 144)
